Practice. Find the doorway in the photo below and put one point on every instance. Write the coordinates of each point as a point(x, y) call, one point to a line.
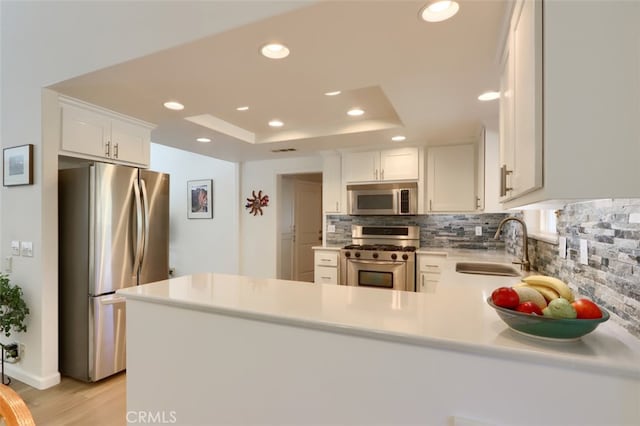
point(300, 224)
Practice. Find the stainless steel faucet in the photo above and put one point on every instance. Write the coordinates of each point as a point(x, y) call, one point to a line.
point(524, 262)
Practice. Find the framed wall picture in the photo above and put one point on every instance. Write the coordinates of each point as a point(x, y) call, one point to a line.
point(200, 199)
point(18, 165)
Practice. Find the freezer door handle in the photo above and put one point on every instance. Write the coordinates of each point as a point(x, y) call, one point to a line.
point(145, 203)
point(112, 300)
point(139, 237)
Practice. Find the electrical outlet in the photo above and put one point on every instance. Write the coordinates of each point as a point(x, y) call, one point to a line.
point(8, 263)
point(12, 352)
point(26, 248)
point(478, 231)
point(15, 248)
point(584, 252)
point(331, 228)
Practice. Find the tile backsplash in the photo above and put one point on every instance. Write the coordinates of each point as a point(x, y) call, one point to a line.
point(436, 230)
point(612, 277)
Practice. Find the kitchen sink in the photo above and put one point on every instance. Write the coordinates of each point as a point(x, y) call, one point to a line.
point(481, 268)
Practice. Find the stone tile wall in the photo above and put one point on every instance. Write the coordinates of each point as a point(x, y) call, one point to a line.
point(436, 230)
point(612, 277)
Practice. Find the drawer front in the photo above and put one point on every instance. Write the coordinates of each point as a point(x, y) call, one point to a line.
point(326, 258)
point(431, 263)
point(325, 275)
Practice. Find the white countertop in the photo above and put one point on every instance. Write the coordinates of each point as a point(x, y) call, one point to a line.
point(454, 316)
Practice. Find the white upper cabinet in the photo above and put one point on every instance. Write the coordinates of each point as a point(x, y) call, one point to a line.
point(451, 178)
point(521, 102)
point(93, 133)
point(386, 165)
point(574, 125)
point(332, 184)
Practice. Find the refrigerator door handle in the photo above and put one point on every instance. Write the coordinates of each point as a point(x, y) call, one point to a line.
point(139, 241)
point(145, 203)
point(112, 300)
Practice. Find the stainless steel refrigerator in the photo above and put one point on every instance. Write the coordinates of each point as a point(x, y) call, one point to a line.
point(113, 234)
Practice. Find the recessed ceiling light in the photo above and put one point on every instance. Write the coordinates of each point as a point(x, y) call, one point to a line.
point(337, 92)
point(203, 140)
point(398, 138)
point(276, 123)
point(242, 108)
point(489, 96)
point(275, 51)
point(176, 106)
point(355, 112)
point(439, 10)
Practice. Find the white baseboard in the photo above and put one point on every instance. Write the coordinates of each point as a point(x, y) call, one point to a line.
point(37, 382)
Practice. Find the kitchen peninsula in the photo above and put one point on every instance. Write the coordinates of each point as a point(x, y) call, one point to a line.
point(226, 349)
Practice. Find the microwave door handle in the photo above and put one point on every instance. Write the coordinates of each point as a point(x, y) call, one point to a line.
point(398, 208)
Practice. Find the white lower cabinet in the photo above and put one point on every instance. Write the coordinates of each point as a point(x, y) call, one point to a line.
point(429, 271)
point(326, 268)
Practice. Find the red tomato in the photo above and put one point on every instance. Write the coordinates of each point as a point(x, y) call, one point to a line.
point(529, 308)
point(505, 297)
point(586, 309)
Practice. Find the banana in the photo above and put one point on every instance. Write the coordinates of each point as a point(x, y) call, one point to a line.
point(550, 282)
point(548, 293)
point(529, 294)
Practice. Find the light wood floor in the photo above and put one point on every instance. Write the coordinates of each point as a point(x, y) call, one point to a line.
point(77, 403)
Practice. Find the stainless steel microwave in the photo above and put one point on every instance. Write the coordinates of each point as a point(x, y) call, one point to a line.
point(383, 199)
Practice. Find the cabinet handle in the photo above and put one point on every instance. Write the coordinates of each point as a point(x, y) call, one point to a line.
point(107, 152)
point(376, 173)
point(115, 150)
point(430, 206)
point(337, 209)
point(325, 260)
point(382, 174)
point(326, 278)
point(422, 280)
point(503, 180)
point(477, 202)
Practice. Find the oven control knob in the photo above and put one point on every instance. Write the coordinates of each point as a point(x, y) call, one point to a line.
point(405, 256)
point(394, 256)
point(375, 255)
point(347, 253)
point(357, 254)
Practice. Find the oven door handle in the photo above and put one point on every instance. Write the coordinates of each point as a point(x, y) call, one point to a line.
point(376, 262)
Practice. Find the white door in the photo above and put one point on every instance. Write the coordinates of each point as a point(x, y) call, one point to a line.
point(308, 227)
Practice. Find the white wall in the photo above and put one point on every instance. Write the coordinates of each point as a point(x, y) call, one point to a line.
point(201, 245)
point(259, 235)
point(46, 42)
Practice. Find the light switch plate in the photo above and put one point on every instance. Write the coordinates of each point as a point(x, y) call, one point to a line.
point(15, 248)
point(584, 252)
point(26, 248)
point(478, 231)
point(562, 247)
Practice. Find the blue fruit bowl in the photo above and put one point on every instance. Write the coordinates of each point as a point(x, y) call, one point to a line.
point(548, 328)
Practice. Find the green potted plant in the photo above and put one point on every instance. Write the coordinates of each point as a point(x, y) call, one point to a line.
point(13, 314)
point(13, 309)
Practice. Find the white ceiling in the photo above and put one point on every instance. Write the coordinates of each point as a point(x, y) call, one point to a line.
point(411, 77)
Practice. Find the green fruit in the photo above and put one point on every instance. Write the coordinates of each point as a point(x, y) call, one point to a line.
point(546, 312)
point(561, 308)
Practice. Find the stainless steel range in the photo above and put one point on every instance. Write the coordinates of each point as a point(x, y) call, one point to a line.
point(381, 256)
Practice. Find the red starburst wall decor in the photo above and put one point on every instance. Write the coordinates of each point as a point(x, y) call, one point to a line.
point(257, 202)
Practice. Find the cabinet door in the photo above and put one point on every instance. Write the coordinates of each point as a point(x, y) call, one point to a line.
point(84, 132)
point(480, 159)
point(428, 282)
point(527, 62)
point(451, 182)
point(361, 166)
point(325, 275)
point(397, 164)
point(506, 122)
point(331, 184)
point(129, 142)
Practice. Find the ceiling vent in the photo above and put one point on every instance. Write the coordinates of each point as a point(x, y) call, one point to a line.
point(283, 150)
